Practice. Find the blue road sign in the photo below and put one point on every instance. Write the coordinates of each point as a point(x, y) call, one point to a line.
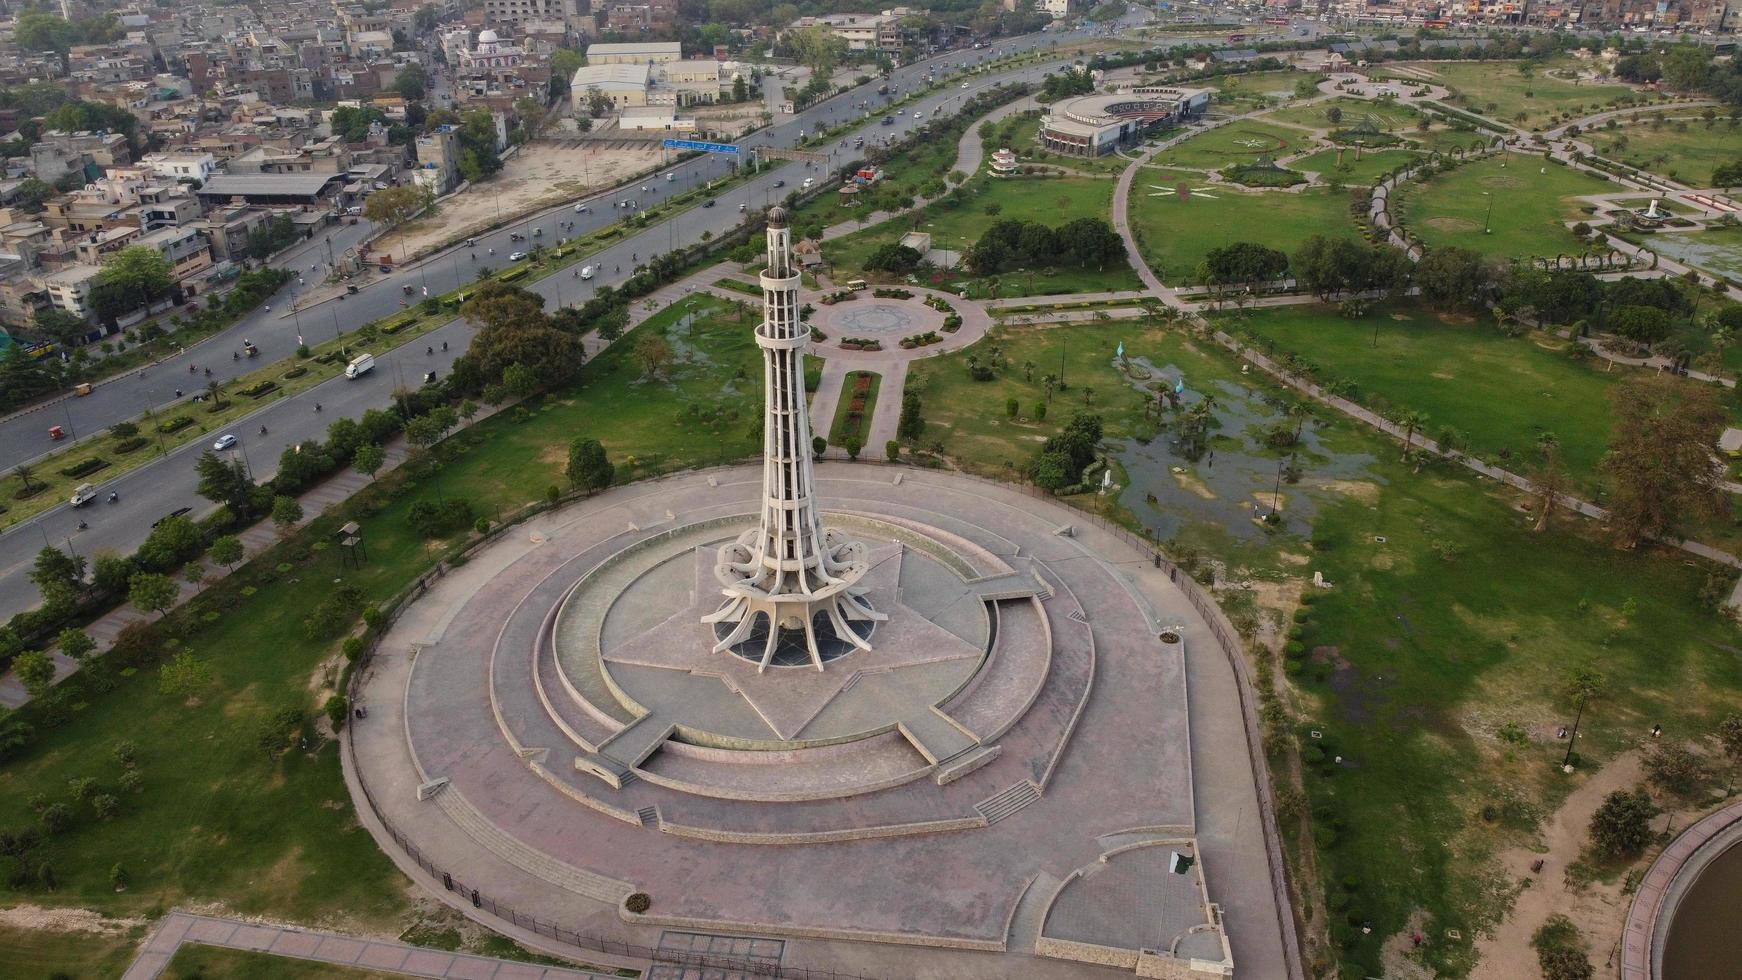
point(699, 145)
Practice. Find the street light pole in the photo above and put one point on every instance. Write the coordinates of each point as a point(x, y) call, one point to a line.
point(1567, 759)
point(1487, 225)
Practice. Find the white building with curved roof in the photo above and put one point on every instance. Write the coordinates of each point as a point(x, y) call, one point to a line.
point(1095, 125)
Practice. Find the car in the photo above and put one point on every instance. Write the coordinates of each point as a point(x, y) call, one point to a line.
point(918, 114)
point(587, 271)
point(808, 181)
point(780, 183)
point(964, 84)
point(582, 209)
point(670, 177)
point(710, 202)
point(516, 256)
point(224, 442)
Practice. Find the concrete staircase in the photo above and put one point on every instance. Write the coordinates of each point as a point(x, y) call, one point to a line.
point(1007, 803)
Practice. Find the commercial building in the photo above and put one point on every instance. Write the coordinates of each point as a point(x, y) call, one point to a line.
point(637, 53)
point(626, 85)
point(863, 32)
point(1096, 125)
point(438, 159)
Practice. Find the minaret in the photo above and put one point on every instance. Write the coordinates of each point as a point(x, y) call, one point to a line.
point(790, 584)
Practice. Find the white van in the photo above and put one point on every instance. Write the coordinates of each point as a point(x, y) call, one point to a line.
point(587, 271)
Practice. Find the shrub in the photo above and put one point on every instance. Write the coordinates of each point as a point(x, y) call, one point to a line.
point(334, 614)
point(638, 903)
point(337, 708)
point(438, 520)
point(1622, 824)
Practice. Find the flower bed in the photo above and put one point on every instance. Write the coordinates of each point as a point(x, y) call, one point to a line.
point(85, 468)
point(838, 296)
point(891, 293)
point(259, 389)
point(295, 372)
point(126, 446)
point(176, 424)
point(952, 323)
point(921, 340)
point(860, 343)
point(940, 304)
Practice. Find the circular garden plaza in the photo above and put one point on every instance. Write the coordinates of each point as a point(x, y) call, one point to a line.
point(805, 718)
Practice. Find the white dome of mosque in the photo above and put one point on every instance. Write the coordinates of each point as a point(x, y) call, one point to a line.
point(487, 37)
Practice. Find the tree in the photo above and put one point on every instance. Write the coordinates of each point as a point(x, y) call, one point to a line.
point(368, 458)
point(1411, 422)
point(893, 257)
point(226, 551)
point(1730, 737)
point(35, 671)
point(1241, 264)
point(183, 675)
point(25, 472)
point(55, 571)
point(1452, 278)
point(1622, 824)
point(56, 324)
point(1675, 768)
point(1334, 115)
point(1549, 480)
point(911, 423)
point(396, 205)
point(287, 512)
point(817, 48)
point(136, 276)
point(225, 482)
point(1660, 456)
point(410, 82)
point(1560, 950)
point(152, 592)
point(589, 468)
point(75, 643)
point(653, 353)
point(1641, 324)
point(1686, 67)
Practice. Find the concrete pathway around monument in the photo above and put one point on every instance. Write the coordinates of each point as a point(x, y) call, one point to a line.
point(1228, 809)
point(378, 955)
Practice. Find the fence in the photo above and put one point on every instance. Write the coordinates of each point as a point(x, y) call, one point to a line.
point(1227, 639)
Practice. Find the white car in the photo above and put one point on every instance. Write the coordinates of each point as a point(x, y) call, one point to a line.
point(808, 181)
point(224, 442)
point(582, 209)
point(587, 271)
point(918, 114)
point(516, 256)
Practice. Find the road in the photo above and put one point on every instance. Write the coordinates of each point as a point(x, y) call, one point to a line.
point(151, 491)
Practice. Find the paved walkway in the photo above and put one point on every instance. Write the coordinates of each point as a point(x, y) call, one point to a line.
point(182, 928)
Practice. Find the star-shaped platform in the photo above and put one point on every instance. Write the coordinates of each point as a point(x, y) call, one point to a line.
point(673, 673)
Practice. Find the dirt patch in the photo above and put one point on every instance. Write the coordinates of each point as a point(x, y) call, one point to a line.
point(1399, 954)
point(1443, 376)
point(1502, 180)
point(1190, 482)
point(538, 176)
point(65, 920)
point(1270, 501)
point(1444, 223)
point(1365, 491)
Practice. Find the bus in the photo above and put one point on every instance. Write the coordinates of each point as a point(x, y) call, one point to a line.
point(1276, 21)
point(1436, 25)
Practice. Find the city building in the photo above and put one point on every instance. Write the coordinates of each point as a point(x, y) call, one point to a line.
point(1095, 125)
point(863, 32)
point(438, 160)
point(636, 53)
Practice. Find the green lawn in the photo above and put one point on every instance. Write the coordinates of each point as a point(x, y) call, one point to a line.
point(30, 954)
point(854, 412)
point(1531, 201)
point(985, 200)
point(1175, 236)
point(1499, 392)
point(1503, 90)
point(1387, 116)
point(195, 962)
point(219, 820)
point(1684, 148)
point(1447, 620)
point(1372, 165)
point(1239, 142)
point(1446, 140)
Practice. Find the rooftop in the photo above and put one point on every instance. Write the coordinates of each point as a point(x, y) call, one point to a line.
point(220, 185)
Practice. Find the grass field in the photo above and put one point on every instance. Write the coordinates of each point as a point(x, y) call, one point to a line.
point(1504, 90)
point(845, 426)
point(218, 819)
point(983, 201)
point(1531, 201)
point(1175, 236)
point(1370, 167)
point(1684, 148)
point(1389, 117)
point(1448, 620)
point(29, 954)
point(1498, 392)
point(1447, 140)
point(1240, 142)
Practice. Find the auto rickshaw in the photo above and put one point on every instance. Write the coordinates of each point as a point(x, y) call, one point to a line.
point(55, 434)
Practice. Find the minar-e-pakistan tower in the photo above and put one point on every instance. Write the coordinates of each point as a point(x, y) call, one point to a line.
point(791, 585)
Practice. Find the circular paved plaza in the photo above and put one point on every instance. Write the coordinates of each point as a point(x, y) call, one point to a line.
point(889, 319)
point(1007, 771)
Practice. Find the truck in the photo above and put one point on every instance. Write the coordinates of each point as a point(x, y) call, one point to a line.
point(360, 365)
point(86, 493)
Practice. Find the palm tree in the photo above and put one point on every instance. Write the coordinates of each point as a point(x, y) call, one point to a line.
point(1028, 370)
point(1410, 422)
point(1088, 395)
point(24, 474)
point(214, 392)
point(1049, 382)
